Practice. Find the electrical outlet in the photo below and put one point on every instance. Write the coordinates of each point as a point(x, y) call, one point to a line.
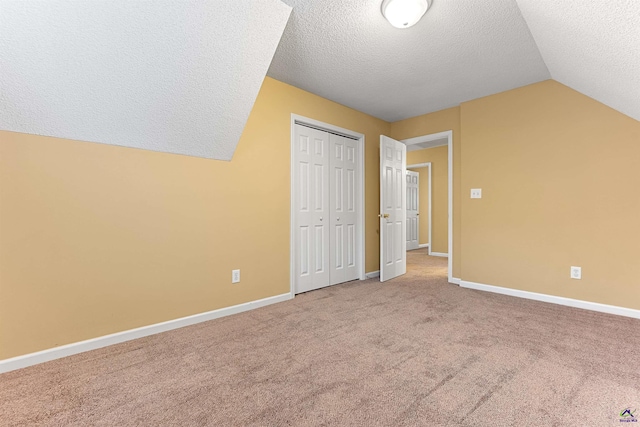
point(235, 276)
point(576, 272)
point(476, 193)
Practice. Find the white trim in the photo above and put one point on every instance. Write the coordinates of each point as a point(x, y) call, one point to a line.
point(455, 281)
point(450, 207)
point(423, 245)
point(442, 254)
point(432, 137)
point(426, 165)
point(292, 213)
point(360, 204)
point(373, 274)
point(586, 305)
point(132, 334)
point(430, 207)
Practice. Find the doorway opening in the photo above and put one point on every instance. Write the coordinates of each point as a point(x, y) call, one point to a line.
point(426, 142)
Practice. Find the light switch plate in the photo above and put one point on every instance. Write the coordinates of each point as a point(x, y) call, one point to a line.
point(476, 193)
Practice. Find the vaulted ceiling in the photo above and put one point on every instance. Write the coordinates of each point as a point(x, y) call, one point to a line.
point(181, 76)
point(461, 49)
point(177, 76)
point(345, 50)
point(591, 46)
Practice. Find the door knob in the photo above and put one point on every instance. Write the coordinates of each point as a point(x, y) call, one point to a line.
point(338, 218)
point(386, 215)
point(320, 218)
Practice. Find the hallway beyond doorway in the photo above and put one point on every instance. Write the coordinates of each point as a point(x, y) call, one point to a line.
point(420, 263)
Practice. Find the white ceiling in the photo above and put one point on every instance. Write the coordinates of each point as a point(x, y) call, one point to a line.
point(591, 46)
point(178, 76)
point(181, 76)
point(461, 50)
point(344, 50)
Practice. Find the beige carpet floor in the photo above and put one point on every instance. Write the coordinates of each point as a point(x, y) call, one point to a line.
point(415, 351)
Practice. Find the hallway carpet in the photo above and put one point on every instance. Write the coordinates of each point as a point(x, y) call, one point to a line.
point(415, 351)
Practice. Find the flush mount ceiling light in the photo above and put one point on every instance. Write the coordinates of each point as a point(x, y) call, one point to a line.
point(404, 13)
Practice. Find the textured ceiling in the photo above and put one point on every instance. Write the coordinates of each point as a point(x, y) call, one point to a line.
point(177, 76)
point(461, 50)
point(181, 76)
point(591, 46)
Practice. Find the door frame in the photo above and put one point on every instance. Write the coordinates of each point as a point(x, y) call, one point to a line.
point(360, 230)
point(417, 166)
point(432, 138)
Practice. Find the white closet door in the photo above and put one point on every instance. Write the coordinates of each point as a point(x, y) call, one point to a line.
point(312, 262)
point(343, 214)
point(413, 213)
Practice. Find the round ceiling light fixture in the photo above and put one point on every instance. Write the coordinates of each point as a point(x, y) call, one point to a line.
point(404, 13)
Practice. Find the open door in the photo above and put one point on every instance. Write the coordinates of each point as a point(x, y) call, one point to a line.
point(393, 211)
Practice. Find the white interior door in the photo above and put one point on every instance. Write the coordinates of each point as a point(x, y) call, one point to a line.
point(311, 201)
point(325, 208)
point(393, 220)
point(413, 210)
point(343, 214)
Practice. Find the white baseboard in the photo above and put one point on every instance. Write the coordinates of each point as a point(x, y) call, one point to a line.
point(423, 245)
point(586, 305)
point(455, 281)
point(442, 254)
point(18, 362)
point(373, 274)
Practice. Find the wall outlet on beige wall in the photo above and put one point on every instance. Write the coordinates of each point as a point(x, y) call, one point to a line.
point(576, 272)
point(235, 276)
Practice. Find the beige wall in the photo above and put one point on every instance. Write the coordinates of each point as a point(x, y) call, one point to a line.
point(560, 178)
point(96, 239)
point(440, 121)
point(439, 158)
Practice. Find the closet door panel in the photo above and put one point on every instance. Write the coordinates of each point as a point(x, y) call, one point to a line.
point(343, 213)
point(311, 201)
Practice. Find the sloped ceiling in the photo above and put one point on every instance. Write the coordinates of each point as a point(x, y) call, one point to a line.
point(181, 76)
point(177, 76)
point(591, 46)
point(461, 50)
